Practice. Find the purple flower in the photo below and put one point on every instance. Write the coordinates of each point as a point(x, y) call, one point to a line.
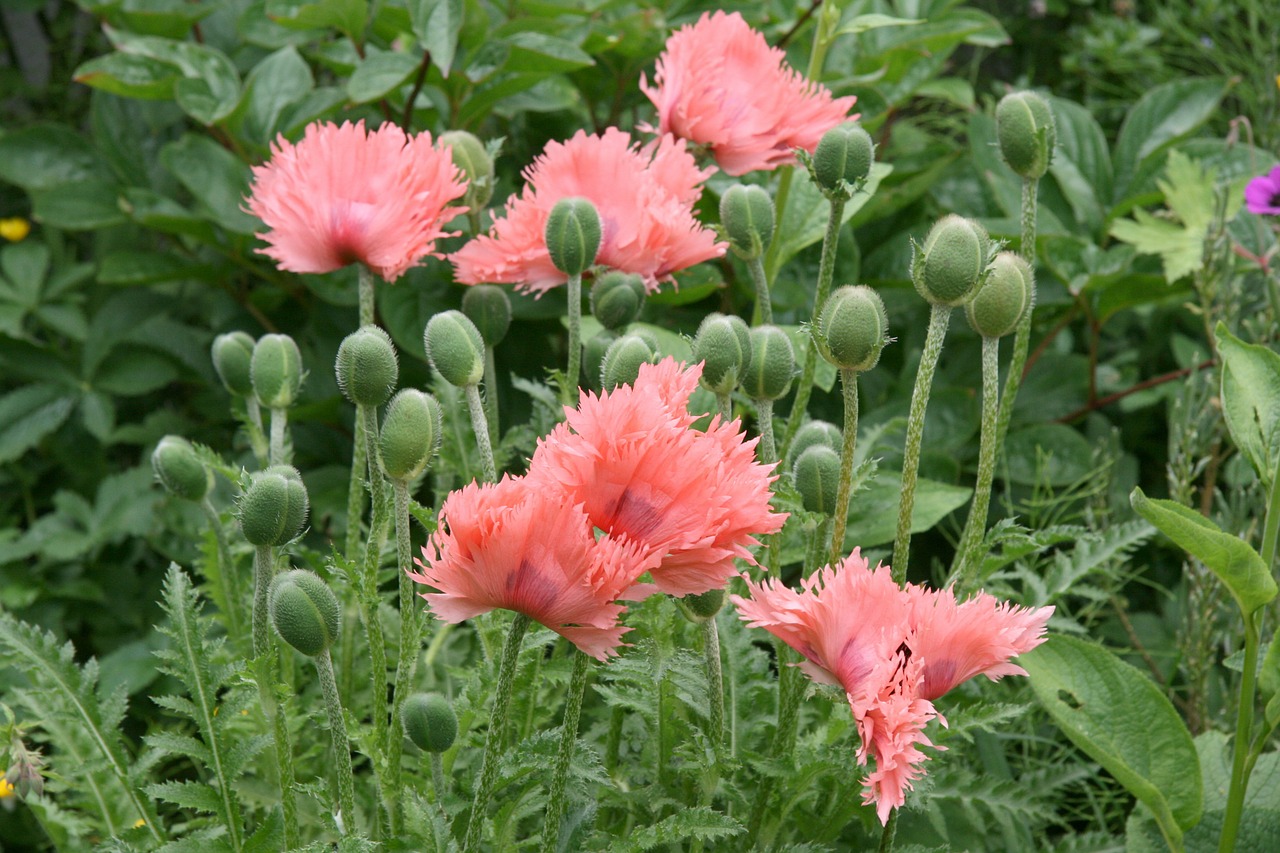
point(1262, 195)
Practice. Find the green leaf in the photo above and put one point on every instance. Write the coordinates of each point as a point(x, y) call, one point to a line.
point(131, 371)
point(1162, 116)
point(275, 83)
point(437, 23)
point(379, 74)
point(130, 76)
point(805, 220)
point(1119, 718)
point(346, 16)
point(25, 266)
point(1082, 164)
point(210, 86)
point(215, 176)
point(1269, 683)
point(1230, 558)
point(862, 23)
point(700, 823)
point(28, 414)
point(133, 266)
point(84, 206)
point(1251, 400)
point(544, 54)
point(1178, 240)
point(873, 514)
point(187, 795)
point(1049, 454)
point(45, 156)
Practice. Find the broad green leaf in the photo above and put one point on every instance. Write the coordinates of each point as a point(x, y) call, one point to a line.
point(29, 414)
point(1251, 400)
point(83, 206)
point(214, 176)
point(1269, 684)
point(25, 266)
point(129, 371)
point(166, 215)
point(133, 266)
point(544, 54)
point(379, 74)
point(1050, 454)
point(1190, 194)
point(45, 156)
point(862, 23)
point(1230, 558)
point(1082, 164)
point(346, 16)
point(805, 220)
point(873, 514)
point(281, 79)
point(130, 75)
point(437, 23)
point(167, 18)
point(1162, 116)
point(210, 86)
point(1119, 718)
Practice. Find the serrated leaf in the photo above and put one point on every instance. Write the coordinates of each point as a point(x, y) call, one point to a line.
point(187, 795)
point(700, 823)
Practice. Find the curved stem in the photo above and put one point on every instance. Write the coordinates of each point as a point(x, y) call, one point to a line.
point(1244, 730)
point(840, 517)
point(772, 261)
point(1022, 337)
point(968, 558)
point(497, 724)
point(768, 452)
point(481, 427)
point(939, 317)
point(491, 392)
point(373, 623)
point(257, 438)
point(568, 739)
point(356, 490)
point(575, 340)
point(279, 420)
point(346, 790)
point(228, 580)
point(755, 266)
point(410, 632)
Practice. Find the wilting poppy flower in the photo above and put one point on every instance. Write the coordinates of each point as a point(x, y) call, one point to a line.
point(343, 195)
point(719, 83)
point(644, 195)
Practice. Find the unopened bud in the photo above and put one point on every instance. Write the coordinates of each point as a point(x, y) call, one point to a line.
point(473, 161)
point(772, 365)
point(746, 215)
point(814, 434)
point(817, 478)
point(623, 359)
point(1026, 132)
point(616, 298)
point(852, 328)
point(366, 366)
point(273, 509)
point(232, 355)
point(305, 612)
point(276, 371)
point(179, 469)
point(1007, 295)
point(573, 235)
point(429, 721)
point(704, 606)
point(593, 353)
point(455, 348)
point(489, 307)
point(410, 434)
point(949, 267)
point(843, 159)
point(723, 345)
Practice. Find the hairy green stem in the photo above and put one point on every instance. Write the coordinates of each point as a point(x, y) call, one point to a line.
point(437, 777)
point(768, 452)
point(279, 420)
point(939, 317)
point(968, 556)
point(365, 279)
point(889, 833)
point(1244, 731)
point(840, 517)
point(755, 266)
point(493, 740)
point(481, 427)
point(356, 491)
point(568, 740)
point(257, 437)
point(491, 393)
point(263, 570)
point(772, 259)
point(575, 340)
point(1022, 337)
point(228, 579)
point(372, 622)
point(346, 789)
point(410, 633)
point(715, 684)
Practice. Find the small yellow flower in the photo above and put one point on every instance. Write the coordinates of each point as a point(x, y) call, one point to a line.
point(6, 790)
point(139, 822)
point(14, 229)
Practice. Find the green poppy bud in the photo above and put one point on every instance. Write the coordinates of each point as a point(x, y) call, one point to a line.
point(593, 352)
point(852, 328)
point(179, 469)
point(573, 235)
point(429, 721)
point(410, 434)
point(455, 348)
point(304, 610)
point(273, 509)
point(232, 355)
point(276, 371)
point(366, 366)
point(623, 359)
point(473, 161)
point(949, 268)
point(772, 365)
point(817, 477)
point(843, 157)
point(1026, 132)
point(723, 345)
point(703, 607)
point(1007, 295)
point(489, 307)
point(746, 215)
point(616, 298)
point(814, 434)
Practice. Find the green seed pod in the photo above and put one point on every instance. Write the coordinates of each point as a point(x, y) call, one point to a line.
point(304, 610)
point(366, 366)
point(814, 434)
point(429, 721)
point(455, 348)
point(593, 353)
point(180, 470)
point(746, 215)
point(232, 356)
point(772, 365)
point(949, 268)
point(723, 345)
point(703, 607)
point(1006, 296)
point(273, 509)
point(616, 298)
point(623, 359)
point(410, 434)
point(276, 371)
point(473, 160)
point(852, 328)
point(1026, 132)
point(843, 157)
point(573, 235)
point(817, 477)
point(489, 307)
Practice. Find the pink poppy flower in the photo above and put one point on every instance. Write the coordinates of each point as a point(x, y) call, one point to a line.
point(516, 546)
point(719, 83)
point(645, 199)
point(343, 195)
point(1262, 194)
point(632, 458)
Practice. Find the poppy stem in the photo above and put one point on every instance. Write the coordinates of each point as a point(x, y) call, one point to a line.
point(345, 782)
point(480, 424)
point(840, 516)
point(755, 266)
point(1022, 338)
point(568, 739)
point(890, 831)
point(968, 558)
point(575, 340)
point(410, 633)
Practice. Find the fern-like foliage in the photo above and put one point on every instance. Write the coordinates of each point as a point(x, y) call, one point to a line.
point(1095, 553)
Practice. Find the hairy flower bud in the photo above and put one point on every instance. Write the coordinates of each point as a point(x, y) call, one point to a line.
point(429, 721)
point(366, 366)
point(616, 298)
point(723, 344)
point(843, 158)
point(472, 159)
point(276, 371)
point(410, 434)
point(1026, 132)
point(179, 469)
point(1007, 295)
point(772, 365)
point(573, 235)
point(232, 355)
point(814, 434)
point(593, 352)
point(746, 215)
point(852, 328)
point(274, 507)
point(950, 266)
point(622, 361)
point(455, 348)
point(489, 307)
point(304, 611)
point(703, 607)
point(817, 478)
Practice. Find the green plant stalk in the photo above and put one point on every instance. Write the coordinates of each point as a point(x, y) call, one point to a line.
point(410, 632)
point(264, 670)
point(724, 405)
point(491, 392)
point(826, 272)
point(755, 266)
point(356, 491)
point(1244, 729)
point(768, 451)
point(365, 286)
point(257, 438)
point(497, 724)
point(556, 799)
point(1022, 337)
point(791, 692)
point(372, 622)
point(889, 833)
point(939, 317)
point(263, 570)
point(481, 427)
point(840, 516)
point(346, 789)
point(279, 420)
point(715, 684)
point(968, 558)
point(227, 577)
point(575, 340)
point(438, 782)
point(772, 261)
